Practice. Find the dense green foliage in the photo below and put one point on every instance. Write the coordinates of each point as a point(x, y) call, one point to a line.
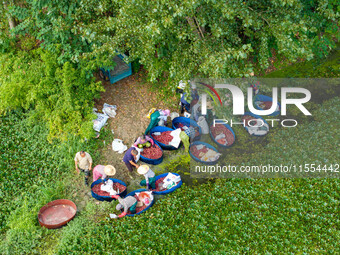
point(60, 94)
point(218, 39)
point(317, 135)
point(33, 172)
point(51, 23)
point(316, 68)
point(20, 145)
point(180, 39)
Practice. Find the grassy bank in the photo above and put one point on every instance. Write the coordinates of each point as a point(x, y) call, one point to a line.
point(33, 172)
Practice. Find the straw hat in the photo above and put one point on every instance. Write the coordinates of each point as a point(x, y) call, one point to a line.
point(109, 170)
point(143, 169)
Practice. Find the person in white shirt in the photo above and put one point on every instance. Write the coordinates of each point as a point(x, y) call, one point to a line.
point(84, 160)
point(150, 179)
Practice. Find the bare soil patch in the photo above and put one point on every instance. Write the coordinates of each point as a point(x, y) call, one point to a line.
point(134, 99)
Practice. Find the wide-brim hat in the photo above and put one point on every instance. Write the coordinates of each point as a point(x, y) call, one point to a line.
point(109, 170)
point(143, 169)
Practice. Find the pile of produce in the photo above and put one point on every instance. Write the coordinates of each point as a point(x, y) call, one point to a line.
point(204, 153)
point(152, 152)
point(264, 105)
point(159, 184)
point(196, 152)
point(218, 131)
point(116, 186)
point(248, 118)
point(164, 137)
point(181, 125)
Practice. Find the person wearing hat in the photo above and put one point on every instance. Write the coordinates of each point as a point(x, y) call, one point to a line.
point(150, 179)
point(128, 203)
point(103, 172)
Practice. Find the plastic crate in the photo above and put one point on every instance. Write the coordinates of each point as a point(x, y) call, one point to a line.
point(120, 71)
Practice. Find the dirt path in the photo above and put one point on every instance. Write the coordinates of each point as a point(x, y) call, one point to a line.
point(133, 99)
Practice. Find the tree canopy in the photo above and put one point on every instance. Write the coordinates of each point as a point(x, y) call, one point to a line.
point(183, 38)
point(175, 40)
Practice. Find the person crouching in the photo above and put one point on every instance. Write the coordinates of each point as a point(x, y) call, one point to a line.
point(150, 179)
point(128, 203)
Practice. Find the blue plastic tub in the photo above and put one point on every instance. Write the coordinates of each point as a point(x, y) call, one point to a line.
point(168, 190)
point(222, 145)
point(132, 194)
point(255, 117)
point(264, 98)
point(187, 122)
point(152, 161)
point(197, 159)
point(107, 198)
point(162, 129)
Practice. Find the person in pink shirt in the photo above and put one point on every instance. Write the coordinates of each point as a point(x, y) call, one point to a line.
point(100, 171)
point(144, 141)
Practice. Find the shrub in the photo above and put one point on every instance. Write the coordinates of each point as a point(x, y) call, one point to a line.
point(60, 94)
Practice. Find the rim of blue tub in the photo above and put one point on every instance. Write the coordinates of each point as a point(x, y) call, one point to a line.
point(107, 198)
point(265, 98)
point(257, 117)
point(152, 161)
point(163, 129)
point(197, 159)
point(168, 190)
point(189, 121)
point(132, 193)
point(222, 145)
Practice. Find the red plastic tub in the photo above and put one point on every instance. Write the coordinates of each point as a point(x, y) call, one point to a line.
point(57, 213)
